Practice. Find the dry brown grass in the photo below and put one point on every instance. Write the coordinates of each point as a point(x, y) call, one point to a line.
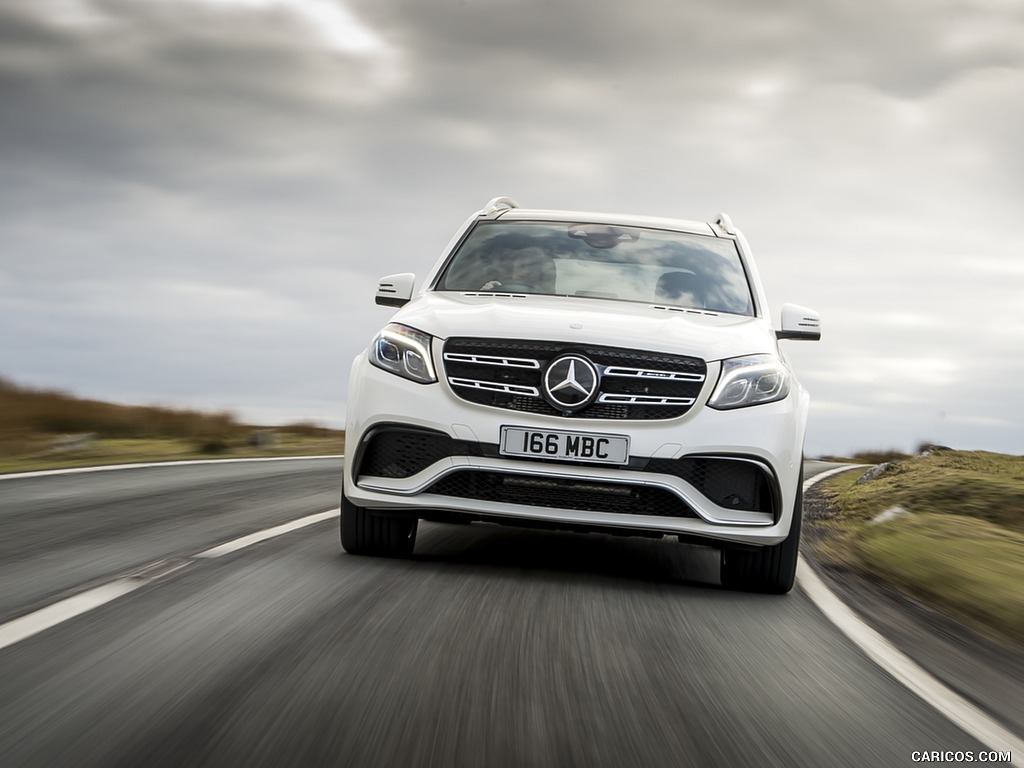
point(29, 411)
point(33, 421)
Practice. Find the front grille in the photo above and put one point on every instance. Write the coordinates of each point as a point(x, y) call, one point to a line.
point(561, 493)
point(507, 373)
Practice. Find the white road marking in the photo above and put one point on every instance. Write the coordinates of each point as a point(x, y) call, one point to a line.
point(150, 464)
point(943, 699)
point(33, 623)
point(269, 533)
point(52, 615)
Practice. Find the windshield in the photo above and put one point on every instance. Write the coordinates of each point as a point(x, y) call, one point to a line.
point(652, 266)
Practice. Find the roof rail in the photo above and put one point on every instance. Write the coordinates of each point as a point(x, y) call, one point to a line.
point(500, 203)
point(725, 223)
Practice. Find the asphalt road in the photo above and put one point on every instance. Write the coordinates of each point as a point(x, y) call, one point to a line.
point(490, 647)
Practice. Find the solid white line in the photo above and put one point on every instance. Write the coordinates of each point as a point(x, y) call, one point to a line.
point(947, 702)
point(52, 615)
point(268, 533)
point(150, 464)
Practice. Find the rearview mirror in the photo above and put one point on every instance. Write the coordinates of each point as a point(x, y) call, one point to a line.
point(395, 290)
point(799, 323)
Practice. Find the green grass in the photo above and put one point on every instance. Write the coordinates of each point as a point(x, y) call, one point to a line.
point(989, 486)
point(962, 547)
point(967, 566)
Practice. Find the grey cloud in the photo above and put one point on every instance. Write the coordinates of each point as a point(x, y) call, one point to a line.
point(178, 143)
point(147, 96)
point(897, 47)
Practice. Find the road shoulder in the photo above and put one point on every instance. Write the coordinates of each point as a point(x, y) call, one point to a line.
point(986, 671)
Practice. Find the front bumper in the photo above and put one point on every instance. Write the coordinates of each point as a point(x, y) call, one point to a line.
point(726, 476)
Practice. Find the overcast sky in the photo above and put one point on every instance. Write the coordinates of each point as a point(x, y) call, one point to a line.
point(197, 196)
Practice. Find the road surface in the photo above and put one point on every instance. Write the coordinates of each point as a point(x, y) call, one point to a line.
point(490, 647)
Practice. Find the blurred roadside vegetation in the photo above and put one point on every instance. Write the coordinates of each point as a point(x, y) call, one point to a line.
point(45, 429)
point(956, 541)
point(870, 457)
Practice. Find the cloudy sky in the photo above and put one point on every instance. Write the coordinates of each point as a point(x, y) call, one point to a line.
point(197, 196)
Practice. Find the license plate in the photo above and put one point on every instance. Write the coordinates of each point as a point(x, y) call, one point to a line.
point(564, 446)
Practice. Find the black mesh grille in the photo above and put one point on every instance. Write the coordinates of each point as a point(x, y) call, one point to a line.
point(730, 483)
point(588, 496)
point(403, 453)
point(543, 352)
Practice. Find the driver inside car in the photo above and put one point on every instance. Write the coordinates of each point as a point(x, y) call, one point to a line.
point(528, 270)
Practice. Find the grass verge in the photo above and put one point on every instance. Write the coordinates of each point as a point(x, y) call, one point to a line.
point(45, 429)
point(960, 548)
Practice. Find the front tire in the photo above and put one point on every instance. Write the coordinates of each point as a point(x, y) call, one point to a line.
point(363, 533)
point(769, 570)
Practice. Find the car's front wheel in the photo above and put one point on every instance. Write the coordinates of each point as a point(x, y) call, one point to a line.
point(767, 569)
point(364, 533)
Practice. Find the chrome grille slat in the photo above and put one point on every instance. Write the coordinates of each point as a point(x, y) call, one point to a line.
point(491, 386)
point(512, 362)
point(644, 373)
point(644, 400)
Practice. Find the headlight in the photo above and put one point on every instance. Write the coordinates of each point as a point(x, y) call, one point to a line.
point(404, 351)
point(750, 381)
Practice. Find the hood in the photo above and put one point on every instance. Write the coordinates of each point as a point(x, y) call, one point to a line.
point(710, 336)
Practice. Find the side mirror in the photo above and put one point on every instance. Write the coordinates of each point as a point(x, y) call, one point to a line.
point(395, 290)
point(799, 323)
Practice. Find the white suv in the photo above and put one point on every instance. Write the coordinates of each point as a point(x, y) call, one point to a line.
point(583, 372)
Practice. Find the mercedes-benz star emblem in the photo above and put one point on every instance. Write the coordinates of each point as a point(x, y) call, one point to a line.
point(570, 383)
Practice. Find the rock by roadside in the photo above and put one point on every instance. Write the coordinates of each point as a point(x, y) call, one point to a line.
point(985, 670)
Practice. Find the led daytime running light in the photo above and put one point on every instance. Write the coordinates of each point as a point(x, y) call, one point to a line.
point(753, 380)
point(405, 352)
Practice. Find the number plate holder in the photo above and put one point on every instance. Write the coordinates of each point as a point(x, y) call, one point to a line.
point(561, 445)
